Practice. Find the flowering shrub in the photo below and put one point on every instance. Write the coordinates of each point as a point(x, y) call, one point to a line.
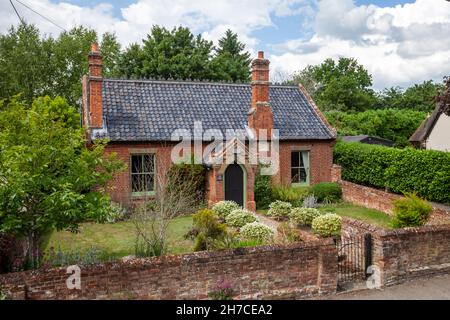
point(240, 217)
point(304, 216)
point(257, 231)
point(224, 208)
point(310, 202)
point(327, 225)
point(279, 209)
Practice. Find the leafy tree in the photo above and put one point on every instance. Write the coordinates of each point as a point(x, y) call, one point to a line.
point(130, 62)
point(392, 124)
point(344, 85)
point(420, 97)
point(110, 50)
point(231, 62)
point(48, 178)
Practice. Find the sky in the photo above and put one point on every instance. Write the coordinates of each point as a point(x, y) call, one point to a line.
point(400, 42)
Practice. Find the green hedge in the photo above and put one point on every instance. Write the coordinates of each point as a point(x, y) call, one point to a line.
point(425, 172)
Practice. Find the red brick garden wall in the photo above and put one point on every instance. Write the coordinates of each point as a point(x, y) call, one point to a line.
point(292, 271)
point(383, 201)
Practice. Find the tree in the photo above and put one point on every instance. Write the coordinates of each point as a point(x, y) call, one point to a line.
point(110, 50)
point(231, 62)
point(344, 85)
point(48, 178)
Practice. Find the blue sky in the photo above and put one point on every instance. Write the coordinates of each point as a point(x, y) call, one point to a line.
point(400, 42)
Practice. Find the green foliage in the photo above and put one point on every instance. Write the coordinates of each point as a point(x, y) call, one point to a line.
point(327, 225)
point(3, 295)
point(279, 210)
point(240, 217)
point(115, 213)
point(50, 180)
point(418, 97)
point(61, 258)
point(399, 170)
point(343, 85)
point(411, 212)
point(207, 229)
point(224, 208)
point(392, 124)
point(293, 195)
point(191, 173)
point(257, 231)
point(327, 191)
point(263, 191)
point(288, 233)
point(304, 216)
point(222, 291)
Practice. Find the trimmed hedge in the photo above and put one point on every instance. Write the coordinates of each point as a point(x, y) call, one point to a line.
point(425, 172)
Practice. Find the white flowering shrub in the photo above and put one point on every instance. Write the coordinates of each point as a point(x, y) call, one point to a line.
point(239, 218)
point(257, 231)
point(279, 209)
point(327, 225)
point(224, 208)
point(304, 216)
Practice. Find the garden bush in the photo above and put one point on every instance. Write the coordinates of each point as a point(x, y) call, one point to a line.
point(194, 173)
point(293, 195)
point(327, 191)
point(279, 210)
point(411, 212)
point(288, 233)
point(304, 216)
point(224, 208)
point(240, 217)
point(207, 229)
point(424, 172)
point(257, 231)
point(263, 191)
point(115, 213)
point(327, 225)
point(310, 202)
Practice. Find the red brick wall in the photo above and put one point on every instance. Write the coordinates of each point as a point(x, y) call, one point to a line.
point(321, 160)
point(292, 271)
point(383, 201)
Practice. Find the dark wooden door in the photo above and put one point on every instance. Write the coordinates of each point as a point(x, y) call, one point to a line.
point(234, 184)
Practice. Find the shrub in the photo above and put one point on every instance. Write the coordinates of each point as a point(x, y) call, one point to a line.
point(288, 233)
point(304, 216)
point(257, 231)
point(3, 295)
point(400, 170)
point(115, 213)
point(222, 291)
point(240, 217)
point(293, 195)
point(224, 208)
point(327, 191)
point(263, 191)
point(194, 173)
point(310, 202)
point(411, 212)
point(207, 229)
point(279, 209)
point(60, 258)
point(327, 225)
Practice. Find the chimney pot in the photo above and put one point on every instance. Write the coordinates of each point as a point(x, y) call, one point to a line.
point(94, 47)
point(260, 54)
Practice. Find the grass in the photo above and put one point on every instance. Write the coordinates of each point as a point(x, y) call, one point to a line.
point(116, 240)
point(346, 209)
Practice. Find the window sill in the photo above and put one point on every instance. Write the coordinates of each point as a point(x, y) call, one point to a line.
point(142, 194)
point(300, 184)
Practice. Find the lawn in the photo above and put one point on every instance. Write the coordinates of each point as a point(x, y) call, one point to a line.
point(346, 209)
point(116, 240)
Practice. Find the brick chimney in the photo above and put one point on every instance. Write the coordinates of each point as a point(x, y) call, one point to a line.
point(95, 79)
point(260, 115)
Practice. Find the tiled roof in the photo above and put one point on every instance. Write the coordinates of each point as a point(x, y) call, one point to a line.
point(147, 110)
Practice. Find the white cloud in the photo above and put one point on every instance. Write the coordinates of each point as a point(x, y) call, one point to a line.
point(399, 45)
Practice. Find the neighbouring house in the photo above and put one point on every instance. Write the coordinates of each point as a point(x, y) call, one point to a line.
point(368, 140)
point(139, 118)
point(434, 132)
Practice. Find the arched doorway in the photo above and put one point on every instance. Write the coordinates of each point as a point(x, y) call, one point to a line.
point(235, 184)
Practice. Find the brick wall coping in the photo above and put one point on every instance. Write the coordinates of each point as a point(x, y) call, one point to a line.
point(169, 260)
point(382, 232)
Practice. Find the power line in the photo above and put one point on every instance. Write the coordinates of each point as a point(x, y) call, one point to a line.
point(17, 13)
point(26, 6)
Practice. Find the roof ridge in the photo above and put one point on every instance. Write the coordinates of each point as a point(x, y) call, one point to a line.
point(189, 81)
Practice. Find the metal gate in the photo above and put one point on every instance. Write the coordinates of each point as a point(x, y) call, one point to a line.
point(354, 257)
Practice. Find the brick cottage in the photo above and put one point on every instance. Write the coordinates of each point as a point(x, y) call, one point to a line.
point(139, 117)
